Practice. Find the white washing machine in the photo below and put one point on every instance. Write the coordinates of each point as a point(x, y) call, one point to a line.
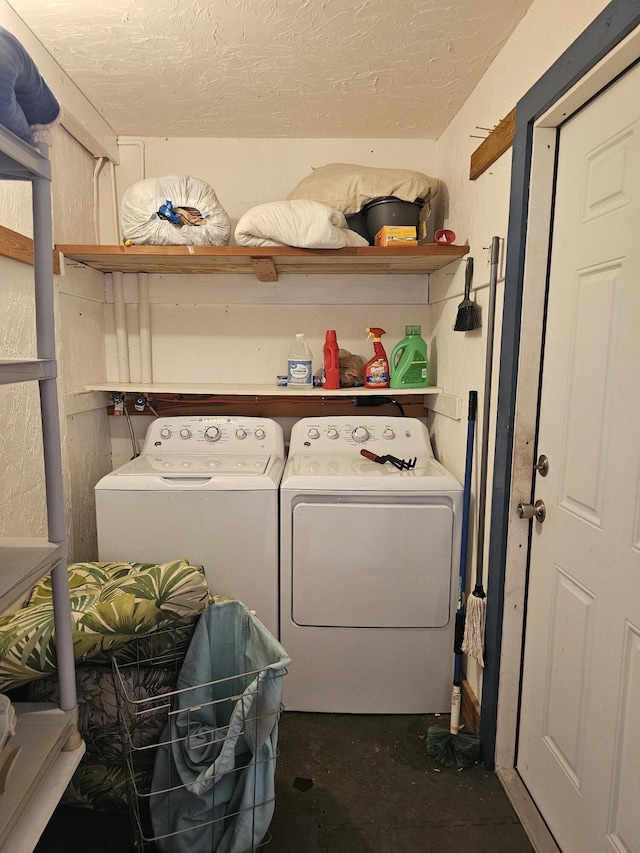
point(204, 488)
point(369, 566)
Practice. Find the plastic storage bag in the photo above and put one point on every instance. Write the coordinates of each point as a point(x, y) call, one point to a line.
point(159, 212)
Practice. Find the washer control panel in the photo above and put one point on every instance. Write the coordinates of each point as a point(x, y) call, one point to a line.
point(380, 434)
point(202, 434)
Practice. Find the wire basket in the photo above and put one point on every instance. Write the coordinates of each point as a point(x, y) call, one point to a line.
point(200, 756)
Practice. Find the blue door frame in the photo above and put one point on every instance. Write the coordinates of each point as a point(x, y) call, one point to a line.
point(611, 26)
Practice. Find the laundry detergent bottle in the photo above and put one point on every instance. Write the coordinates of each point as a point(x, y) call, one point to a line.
point(376, 370)
point(409, 365)
point(330, 362)
point(299, 363)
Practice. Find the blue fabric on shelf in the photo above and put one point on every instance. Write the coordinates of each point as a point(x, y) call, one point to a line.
point(25, 99)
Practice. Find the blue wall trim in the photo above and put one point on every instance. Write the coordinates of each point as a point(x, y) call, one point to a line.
point(611, 26)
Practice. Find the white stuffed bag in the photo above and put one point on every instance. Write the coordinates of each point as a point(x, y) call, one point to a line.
point(175, 210)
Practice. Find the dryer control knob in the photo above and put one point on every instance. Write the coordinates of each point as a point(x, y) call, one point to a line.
point(313, 433)
point(360, 434)
point(165, 432)
point(212, 434)
point(388, 433)
point(332, 433)
point(241, 433)
point(185, 433)
point(260, 434)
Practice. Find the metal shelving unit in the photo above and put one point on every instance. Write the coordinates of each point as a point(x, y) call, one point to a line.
point(46, 734)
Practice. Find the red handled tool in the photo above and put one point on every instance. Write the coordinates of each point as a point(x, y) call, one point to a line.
point(401, 464)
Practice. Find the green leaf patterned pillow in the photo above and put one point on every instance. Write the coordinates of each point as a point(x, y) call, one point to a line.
point(111, 603)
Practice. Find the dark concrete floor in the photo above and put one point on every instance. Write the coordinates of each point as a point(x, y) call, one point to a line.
point(350, 784)
point(374, 790)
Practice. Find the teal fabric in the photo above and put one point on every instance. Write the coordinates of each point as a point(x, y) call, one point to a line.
point(213, 783)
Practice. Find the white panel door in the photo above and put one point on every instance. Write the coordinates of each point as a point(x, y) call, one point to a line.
point(579, 739)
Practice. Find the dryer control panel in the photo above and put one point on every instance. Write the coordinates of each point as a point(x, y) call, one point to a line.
point(203, 434)
point(380, 434)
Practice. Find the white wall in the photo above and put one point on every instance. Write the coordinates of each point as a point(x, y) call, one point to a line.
point(232, 328)
point(81, 335)
point(249, 172)
point(245, 173)
point(478, 210)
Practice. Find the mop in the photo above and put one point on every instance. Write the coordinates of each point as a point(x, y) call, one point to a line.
point(473, 642)
point(451, 747)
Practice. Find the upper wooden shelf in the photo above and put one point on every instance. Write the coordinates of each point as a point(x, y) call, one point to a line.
point(265, 262)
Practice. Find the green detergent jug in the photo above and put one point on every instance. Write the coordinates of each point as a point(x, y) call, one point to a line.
point(408, 362)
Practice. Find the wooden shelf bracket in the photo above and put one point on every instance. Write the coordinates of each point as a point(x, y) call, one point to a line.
point(499, 140)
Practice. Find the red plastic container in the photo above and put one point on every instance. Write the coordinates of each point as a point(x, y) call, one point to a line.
point(330, 362)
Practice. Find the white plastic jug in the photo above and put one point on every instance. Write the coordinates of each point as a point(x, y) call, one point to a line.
point(299, 364)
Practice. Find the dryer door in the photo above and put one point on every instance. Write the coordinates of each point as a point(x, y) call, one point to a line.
point(372, 563)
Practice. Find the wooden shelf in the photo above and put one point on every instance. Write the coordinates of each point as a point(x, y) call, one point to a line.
point(267, 263)
point(266, 400)
point(264, 390)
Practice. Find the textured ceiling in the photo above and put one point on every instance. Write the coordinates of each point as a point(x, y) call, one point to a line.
point(274, 68)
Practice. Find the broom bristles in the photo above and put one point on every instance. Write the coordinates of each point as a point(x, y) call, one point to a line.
point(458, 751)
point(467, 318)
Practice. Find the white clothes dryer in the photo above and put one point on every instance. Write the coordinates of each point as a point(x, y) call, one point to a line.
point(369, 568)
point(204, 488)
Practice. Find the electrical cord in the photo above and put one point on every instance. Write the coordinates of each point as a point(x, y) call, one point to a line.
point(378, 401)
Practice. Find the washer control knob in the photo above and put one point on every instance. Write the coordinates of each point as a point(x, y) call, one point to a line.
point(360, 434)
point(388, 433)
point(332, 433)
point(260, 433)
point(241, 433)
point(314, 433)
point(165, 432)
point(211, 433)
point(185, 432)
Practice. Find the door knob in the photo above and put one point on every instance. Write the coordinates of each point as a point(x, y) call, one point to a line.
point(542, 465)
point(537, 510)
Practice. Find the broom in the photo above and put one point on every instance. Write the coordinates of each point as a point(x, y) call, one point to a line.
point(451, 747)
point(473, 642)
point(467, 318)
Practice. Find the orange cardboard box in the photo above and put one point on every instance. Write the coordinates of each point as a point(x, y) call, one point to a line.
point(397, 235)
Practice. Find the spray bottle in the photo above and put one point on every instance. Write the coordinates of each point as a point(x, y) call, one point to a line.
point(376, 370)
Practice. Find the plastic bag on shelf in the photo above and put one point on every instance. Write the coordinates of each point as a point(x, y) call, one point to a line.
point(175, 210)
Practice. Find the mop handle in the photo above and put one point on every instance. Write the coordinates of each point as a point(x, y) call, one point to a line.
point(466, 495)
point(495, 249)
